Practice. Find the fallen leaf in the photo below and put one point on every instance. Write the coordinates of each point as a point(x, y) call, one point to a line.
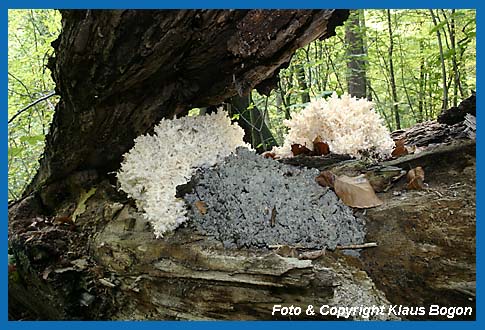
point(415, 150)
point(356, 191)
point(311, 255)
point(12, 268)
point(400, 149)
point(298, 149)
point(269, 154)
point(81, 264)
point(415, 179)
point(320, 148)
point(64, 220)
point(46, 272)
point(107, 283)
point(201, 206)
point(287, 251)
point(326, 179)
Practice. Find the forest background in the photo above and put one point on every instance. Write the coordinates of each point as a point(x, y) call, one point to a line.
point(410, 63)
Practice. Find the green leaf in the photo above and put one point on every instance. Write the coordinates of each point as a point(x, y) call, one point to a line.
point(14, 151)
point(437, 27)
point(34, 139)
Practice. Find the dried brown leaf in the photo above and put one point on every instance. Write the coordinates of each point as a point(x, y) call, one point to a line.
point(298, 149)
point(400, 149)
point(46, 272)
point(320, 148)
point(269, 154)
point(12, 268)
point(64, 220)
point(287, 251)
point(356, 191)
point(201, 206)
point(416, 150)
point(415, 179)
point(400, 143)
point(326, 179)
point(311, 255)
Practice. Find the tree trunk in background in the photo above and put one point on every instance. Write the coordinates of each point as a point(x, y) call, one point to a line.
point(302, 83)
point(251, 120)
point(364, 39)
point(456, 72)
point(442, 60)
point(280, 102)
point(285, 97)
point(119, 72)
point(422, 85)
point(356, 64)
point(392, 79)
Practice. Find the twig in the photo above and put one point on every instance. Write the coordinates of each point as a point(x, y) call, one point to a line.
point(340, 247)
point(277, 246)
point(21, 83)
point(43, 98)
point(273, 216)
point(312, 255)
point(357, 246)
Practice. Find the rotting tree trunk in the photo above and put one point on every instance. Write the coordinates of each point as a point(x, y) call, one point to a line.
point(109, 266)
point(118, 72)
point(427, 238)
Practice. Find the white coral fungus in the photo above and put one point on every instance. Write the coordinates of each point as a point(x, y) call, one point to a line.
point(158, 163)
point(349, 126)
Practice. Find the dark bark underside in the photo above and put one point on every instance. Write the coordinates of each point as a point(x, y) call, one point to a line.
point(119, 72)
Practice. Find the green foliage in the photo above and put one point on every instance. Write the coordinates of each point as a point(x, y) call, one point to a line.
point(194, 112)
point(417, 66)
point(30, 33)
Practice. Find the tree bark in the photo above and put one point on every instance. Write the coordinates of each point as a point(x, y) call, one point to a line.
point(356, 63)
point(119, 72)
point(252, 121)
point(395, 101)
point(302, 83)
point(450, 23)
point(442, 60)
point(108, 265)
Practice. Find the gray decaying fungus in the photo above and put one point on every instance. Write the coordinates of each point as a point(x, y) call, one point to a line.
point(250, 201)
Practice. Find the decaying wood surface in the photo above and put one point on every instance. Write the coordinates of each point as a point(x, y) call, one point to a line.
point(128, 274)
point(108, 265)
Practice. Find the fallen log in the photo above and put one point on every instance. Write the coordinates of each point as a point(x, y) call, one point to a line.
point(83, 270)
